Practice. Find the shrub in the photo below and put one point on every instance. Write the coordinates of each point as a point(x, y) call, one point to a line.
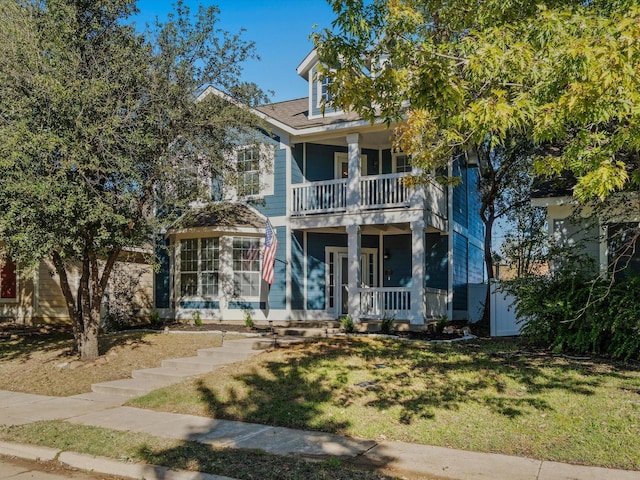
point(154, 318)
point(386, 325)
point(346, 322)
point(197, 319)
point(248, 321)
point(574, 312)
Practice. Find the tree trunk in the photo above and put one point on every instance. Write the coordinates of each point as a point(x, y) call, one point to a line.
point(84, 309)
point(488, 261)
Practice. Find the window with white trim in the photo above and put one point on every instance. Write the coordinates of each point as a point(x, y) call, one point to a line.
point(199, 267)
point(401, 163)
point(246, 267)
point(248, 171)
point(8, 280)
point(324, 97)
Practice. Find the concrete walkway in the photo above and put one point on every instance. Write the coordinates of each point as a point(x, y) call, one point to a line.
point(105, 409)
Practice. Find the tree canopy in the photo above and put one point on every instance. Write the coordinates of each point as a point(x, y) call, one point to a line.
point(562, 74)
point(100, 125)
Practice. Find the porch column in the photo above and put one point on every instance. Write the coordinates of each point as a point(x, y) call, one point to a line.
point(353, 233)
point(353, 182)
point(225, 281)
point(417, 272)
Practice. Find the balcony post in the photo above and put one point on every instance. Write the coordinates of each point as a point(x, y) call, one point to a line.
point(353, 289)
point(353, 182)
point(417, 272)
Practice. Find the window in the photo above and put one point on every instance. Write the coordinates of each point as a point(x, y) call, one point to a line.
point(324, 97)
point(246, 267)
point(248, 171)
point(402, 163)
point(8, 280)
point(199, 267)
point(624, 249)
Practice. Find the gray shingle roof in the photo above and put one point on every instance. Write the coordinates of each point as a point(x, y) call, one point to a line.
point(295, 114)
point(221, 215)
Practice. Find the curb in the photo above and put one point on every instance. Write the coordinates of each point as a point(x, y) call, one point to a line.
point(104, 465)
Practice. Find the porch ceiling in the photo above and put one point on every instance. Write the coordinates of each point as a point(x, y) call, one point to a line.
point(386, 229)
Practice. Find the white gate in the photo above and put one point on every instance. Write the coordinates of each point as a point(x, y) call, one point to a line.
point(504, 321)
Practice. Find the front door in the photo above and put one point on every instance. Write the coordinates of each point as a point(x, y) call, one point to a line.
point(338, 276)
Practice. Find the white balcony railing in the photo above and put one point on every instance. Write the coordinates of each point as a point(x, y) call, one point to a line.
point(396, 302)
point(319, 197)
point(377, 192)
point(384, 191)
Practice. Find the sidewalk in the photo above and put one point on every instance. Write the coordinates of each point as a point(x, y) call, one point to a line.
point(104, 410)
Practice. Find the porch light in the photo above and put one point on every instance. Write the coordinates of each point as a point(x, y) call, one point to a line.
point(387, 254)
point(388, 272)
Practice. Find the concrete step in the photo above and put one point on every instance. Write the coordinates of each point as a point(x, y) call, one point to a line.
point(268, 343)
point(163, 374)
point(303, 332)
point(130, 387)
point(230, 355)
point(196, 365)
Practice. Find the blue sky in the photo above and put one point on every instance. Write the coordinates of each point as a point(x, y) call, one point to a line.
point(280, 29)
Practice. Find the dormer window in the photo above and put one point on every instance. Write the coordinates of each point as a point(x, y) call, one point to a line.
point(324, 97)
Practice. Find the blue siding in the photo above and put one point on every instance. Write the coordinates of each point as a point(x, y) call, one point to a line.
point(460, 194)
point(278, 290)
point(476, 227)
point(297, 272)
point(275, 205)
point(162, 275)
point(315, 110)
point(460, 271)
point(399, 247)
point(372, 161)
point(476, 264)
point(321, 162)
point(437, 261)
point(242, 305)
point(387, 161)
point(200, 304)
point(296, 164)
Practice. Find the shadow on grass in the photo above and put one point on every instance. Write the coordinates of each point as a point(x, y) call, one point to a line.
point(419, 380)
point(22, 345)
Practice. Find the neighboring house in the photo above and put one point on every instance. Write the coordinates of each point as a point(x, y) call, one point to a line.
point(352, 237)
point(606, 233)
point(37, 297)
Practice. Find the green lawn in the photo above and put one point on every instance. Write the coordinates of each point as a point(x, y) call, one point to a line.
point(487, 396)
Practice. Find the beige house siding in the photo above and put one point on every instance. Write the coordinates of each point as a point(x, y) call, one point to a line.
point(40, 298)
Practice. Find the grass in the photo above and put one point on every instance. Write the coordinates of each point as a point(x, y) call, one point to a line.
point(144, 448)
point(485, 396)
point(46, 364)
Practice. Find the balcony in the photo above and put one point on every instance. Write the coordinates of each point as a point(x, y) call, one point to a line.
point(377, 192)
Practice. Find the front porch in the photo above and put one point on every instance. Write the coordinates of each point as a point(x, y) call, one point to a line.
point(371, 272)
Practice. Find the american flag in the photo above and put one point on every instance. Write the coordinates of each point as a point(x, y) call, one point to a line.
point(270, 246)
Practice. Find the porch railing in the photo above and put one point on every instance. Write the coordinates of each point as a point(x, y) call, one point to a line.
point(330, 196)
point(384, 191)
point(376, 302)
point(319, 197)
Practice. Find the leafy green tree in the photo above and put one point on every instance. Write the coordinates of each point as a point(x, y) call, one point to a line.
point(469, 75)
point(100, 126)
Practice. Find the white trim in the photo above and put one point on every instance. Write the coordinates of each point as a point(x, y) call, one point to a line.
point(339, 253)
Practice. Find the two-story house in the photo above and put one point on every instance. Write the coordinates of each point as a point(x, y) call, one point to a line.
point(352, 238)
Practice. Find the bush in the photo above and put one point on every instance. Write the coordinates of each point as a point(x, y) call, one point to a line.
point(346, 323)
point(197, 319)
point(574, 312)
point(248, 321)
point(154, 318)
point(386, 325)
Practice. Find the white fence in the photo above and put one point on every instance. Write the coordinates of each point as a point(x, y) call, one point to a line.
point(503, 315)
